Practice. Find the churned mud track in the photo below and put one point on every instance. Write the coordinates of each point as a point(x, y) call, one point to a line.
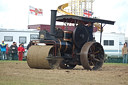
point(18, 73)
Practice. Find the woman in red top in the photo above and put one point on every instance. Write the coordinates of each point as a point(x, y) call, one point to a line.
point(7, 52)
point(20, 52)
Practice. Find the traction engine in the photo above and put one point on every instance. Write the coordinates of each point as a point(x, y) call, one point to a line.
point(64, 48)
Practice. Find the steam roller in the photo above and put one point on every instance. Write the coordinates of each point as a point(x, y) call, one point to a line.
point(38, 59)
point(67, 48)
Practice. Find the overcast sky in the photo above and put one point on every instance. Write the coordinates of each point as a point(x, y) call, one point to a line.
point(14, 13)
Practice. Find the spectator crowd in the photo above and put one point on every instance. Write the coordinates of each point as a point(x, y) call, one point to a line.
point(13, 52)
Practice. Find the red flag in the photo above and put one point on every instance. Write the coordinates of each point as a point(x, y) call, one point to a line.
point(35, 11)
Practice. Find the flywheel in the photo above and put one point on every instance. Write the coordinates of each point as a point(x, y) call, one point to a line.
point(80, 35)
point(92, 56)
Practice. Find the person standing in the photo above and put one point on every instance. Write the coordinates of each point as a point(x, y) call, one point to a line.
point(20, 52)
point(90, 31)
point(13, 51)
point(30, 44)
point(124, 53)
point(3, 50)
point(23, 45)
point(7, 52)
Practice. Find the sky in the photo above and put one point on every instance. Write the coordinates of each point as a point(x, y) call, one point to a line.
point(115, 10)
point(14, 14)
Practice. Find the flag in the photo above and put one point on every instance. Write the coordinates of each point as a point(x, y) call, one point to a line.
point(87, 13)
point(35, 11)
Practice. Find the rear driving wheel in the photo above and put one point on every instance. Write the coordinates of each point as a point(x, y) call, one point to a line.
point(92, 56)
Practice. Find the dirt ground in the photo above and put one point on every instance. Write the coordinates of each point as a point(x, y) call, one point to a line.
point(18, 73)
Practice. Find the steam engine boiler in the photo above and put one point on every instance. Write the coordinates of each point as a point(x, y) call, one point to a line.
point(64, 48)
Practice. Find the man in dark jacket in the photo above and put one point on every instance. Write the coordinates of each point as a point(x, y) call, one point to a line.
point(90, 30)
point(13, 51)
point(30, 44)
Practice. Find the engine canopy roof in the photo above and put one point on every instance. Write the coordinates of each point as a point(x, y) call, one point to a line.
point(85, 20)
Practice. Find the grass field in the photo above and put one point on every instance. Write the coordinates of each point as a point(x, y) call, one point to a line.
point(18, 73)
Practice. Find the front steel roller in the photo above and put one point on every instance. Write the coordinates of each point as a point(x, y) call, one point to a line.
point(36, 57)
point(92, 56)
